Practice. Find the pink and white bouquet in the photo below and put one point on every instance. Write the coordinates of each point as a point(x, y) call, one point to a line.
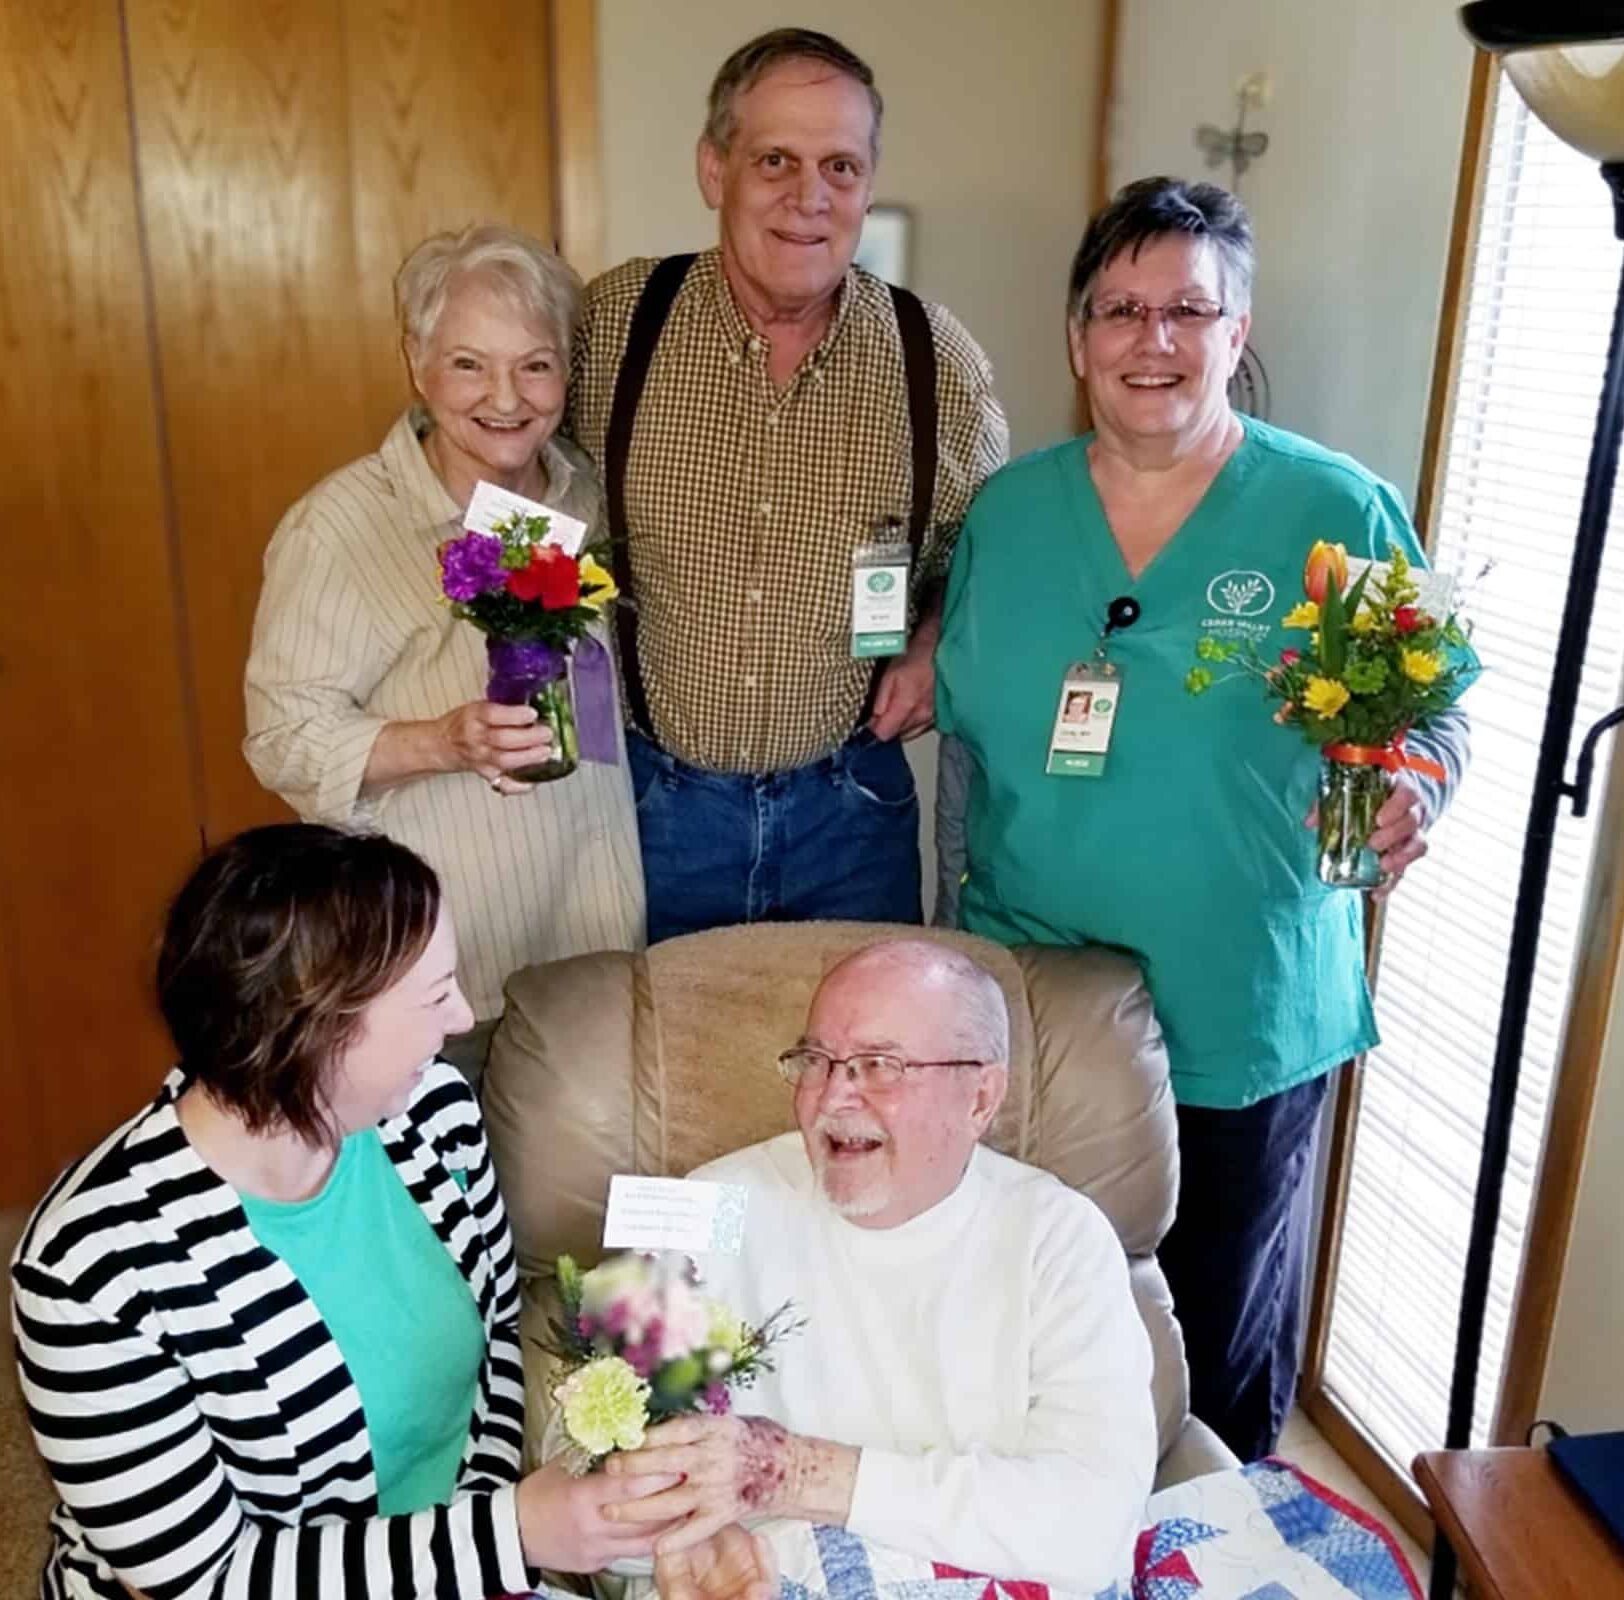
point(638, 1342)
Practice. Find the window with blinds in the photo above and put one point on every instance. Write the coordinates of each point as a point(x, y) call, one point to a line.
point(1538, 306)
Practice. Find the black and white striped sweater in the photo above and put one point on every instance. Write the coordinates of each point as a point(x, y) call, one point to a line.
point(201, 1427)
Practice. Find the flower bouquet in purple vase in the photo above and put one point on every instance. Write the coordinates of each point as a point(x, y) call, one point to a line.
point(535, 602)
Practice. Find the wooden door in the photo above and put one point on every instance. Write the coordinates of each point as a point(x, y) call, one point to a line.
point(291, 154)
point(98, 802)
point(202, 205)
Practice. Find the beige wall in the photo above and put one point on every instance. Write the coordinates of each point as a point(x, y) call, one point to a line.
point(989, 126)
point(1351, 202)
point(988, 133)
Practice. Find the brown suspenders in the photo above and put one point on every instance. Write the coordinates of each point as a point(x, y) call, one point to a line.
point(648, 321)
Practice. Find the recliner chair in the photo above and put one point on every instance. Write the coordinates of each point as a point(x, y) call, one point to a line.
point(653, 1063)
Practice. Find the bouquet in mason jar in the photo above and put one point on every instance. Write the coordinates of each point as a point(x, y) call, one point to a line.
point(637, 1342)
point(534, 593)
point(1374, 664)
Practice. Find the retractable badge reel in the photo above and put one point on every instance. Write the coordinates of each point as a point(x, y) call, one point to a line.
point(1090, 694)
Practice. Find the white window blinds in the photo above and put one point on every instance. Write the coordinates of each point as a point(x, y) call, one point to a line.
point(1542, 282)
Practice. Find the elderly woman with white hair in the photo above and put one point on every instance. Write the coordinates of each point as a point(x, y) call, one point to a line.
point(365, 697)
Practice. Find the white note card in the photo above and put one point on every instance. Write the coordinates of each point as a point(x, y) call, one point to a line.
point(492, 504)
point(674, 1214)
point(1436, 589)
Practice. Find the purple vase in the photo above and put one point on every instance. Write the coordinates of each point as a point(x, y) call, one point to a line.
point(526, 673)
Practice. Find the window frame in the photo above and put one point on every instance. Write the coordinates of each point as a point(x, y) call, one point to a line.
point(1578, 1070)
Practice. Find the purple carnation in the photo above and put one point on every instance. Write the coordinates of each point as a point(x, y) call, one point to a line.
point(471, 566)
point(717, 1400)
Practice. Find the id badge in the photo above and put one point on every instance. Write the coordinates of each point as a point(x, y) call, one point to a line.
point(879, 599)
point(1083, 720)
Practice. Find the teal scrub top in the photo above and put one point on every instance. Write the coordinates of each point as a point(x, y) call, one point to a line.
point(400, 1311)
point(1190, 851)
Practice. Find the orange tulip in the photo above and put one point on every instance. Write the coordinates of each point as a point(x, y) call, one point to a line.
point(1325, 563)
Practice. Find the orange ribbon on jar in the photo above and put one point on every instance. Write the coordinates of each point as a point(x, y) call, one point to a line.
point(1394, 757)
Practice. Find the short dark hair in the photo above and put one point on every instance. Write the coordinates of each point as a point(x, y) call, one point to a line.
point(1154, 208)
point(751, 62)
point(271, 951)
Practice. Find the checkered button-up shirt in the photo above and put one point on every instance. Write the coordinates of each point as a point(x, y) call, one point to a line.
point(744, 503)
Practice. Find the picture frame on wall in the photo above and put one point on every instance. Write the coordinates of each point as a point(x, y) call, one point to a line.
point(885, 246)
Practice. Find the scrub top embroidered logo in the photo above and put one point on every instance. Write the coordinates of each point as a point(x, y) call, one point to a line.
point(1237, 597)
point(1240, 594)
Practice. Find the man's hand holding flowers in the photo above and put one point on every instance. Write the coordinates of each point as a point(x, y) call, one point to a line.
point(729, 1469)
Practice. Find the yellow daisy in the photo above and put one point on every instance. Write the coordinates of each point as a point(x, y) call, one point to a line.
point(1422, 666)
point(1325, 696)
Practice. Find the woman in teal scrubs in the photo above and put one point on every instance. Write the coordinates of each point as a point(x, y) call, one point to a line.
point(1175, 520)
point(267, 1329)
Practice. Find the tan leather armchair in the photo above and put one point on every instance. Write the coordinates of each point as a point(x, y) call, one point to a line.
point(656, 1062)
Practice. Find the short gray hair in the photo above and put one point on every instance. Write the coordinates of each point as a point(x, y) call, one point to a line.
point(1159, 208)
point(751, 62)
point(542, 286)
point(980, 1013)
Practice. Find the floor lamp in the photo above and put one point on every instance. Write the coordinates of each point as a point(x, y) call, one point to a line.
point(1567, 60)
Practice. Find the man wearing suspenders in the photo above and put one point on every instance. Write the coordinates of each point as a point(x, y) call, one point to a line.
point(788, 446)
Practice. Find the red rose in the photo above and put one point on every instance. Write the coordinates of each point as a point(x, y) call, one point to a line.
point(1290, 658)
point(552, 578)
point(1406, 619)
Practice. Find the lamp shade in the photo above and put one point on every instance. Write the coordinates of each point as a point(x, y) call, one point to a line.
point(1566, 58)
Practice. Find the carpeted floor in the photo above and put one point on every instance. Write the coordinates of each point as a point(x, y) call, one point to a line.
point(25, 1492)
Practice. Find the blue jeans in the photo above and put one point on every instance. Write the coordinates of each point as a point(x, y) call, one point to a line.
point(1235, 1259)
point(836, 838)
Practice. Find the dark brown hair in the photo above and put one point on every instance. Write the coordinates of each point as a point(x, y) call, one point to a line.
point(1154, 208)
point(273, 948)
point(751, 62)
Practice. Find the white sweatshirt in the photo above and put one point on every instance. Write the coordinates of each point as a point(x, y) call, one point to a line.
point(986, 1357)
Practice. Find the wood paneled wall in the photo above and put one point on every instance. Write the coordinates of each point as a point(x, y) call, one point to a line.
point(203, 206)
point(98, 806)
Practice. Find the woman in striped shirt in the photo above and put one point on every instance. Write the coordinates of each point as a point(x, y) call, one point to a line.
point(268, 1328)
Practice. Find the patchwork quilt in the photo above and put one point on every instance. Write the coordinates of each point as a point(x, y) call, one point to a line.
point(1263, 1532)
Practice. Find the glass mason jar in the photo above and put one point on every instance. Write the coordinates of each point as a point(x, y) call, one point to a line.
point(524, 672)
point(1349, 798)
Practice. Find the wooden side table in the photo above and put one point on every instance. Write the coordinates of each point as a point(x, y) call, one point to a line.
point(1517, 1527)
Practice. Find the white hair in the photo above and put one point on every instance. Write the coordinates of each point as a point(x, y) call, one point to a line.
point(543, 287)
point(980, 1015)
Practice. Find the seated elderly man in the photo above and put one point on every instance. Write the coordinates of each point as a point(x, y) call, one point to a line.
point(973, 1385)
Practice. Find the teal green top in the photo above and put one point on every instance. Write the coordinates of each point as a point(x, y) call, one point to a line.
point(399, 1310)
point(1190, 851)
